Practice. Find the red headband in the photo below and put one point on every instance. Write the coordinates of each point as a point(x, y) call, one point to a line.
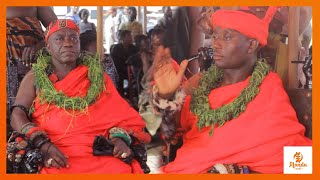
point(245, 23)
point(60, 24)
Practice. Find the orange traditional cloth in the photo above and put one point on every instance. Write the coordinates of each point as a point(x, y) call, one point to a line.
point(255, 139)
point(74, 134)
point(247, 24)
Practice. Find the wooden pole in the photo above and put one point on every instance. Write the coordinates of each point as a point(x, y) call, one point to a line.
point(100, 31)
point(139, 14)
point(144, 20)
point(293, 45)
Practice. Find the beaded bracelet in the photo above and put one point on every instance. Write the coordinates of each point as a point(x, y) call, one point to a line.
point(36, 135)
point(41, 143)
point(33, 130)
point(116, 132)
point(21, 143)
point(26, 127)
point(122, 136)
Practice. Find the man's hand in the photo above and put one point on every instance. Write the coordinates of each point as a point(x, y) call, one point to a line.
point(29, 53)
point(53, 156)
point(120, 150)
point(166, 78)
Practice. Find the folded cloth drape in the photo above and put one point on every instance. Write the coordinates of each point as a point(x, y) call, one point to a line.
point(74, 132)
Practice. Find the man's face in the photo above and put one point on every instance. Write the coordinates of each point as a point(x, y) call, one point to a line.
point(64, 46)
point(230, 48)
point(145, 45)
point(128, 39)
point(167, 11)
point(75, 8)
point(132, 14)
point(114, 13)
point(125, 10)
point(85, 15)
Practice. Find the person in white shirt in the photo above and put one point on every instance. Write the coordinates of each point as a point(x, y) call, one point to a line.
point(110, 29)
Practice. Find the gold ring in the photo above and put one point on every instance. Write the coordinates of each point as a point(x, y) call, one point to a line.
point(50, 161)
point(124, 155)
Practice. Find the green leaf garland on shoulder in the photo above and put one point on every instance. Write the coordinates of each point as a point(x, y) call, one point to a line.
point(210, 80)
point(48, 94)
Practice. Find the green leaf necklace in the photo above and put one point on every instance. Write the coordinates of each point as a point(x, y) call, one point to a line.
point(48, 94)
point(210, 79)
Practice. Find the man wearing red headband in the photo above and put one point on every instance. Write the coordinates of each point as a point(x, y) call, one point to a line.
point(73, 101)
point(238, 117)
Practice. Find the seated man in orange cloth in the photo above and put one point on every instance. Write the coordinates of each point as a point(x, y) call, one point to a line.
point(73, 101)
point(239, 117)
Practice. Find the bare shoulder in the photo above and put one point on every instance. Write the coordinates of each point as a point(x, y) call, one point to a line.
point(27, 92)
point(29, 77)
